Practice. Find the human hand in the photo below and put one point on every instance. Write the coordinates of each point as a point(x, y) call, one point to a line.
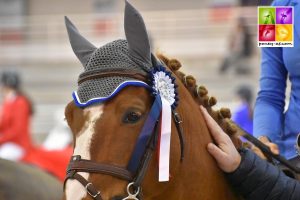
point(273, 147)
point(225, 153)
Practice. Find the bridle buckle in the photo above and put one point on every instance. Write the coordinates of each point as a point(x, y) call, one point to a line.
point(91, 192)
point(132, 196)
point(177, 118)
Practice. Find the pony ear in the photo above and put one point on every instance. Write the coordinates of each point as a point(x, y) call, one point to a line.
point(136, 34)
point(82, 48)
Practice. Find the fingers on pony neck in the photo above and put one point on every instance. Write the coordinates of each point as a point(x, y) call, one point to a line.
point(200, 94)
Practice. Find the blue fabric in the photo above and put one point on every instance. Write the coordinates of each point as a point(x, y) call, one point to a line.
point(256, 179)
point(143, 138)
point(242, 116)
point(278, 65)
point(102, 99)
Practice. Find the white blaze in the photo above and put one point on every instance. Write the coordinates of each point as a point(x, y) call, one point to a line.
point(74, 190)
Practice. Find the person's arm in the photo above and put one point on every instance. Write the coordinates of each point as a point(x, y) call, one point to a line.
point(256, 179)
point(269, 107)
point(252, 177)
point(18, 124)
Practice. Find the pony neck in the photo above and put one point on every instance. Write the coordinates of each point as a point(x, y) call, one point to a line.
point(198, 174)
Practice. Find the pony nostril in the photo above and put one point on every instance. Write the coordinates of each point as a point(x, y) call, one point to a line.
point(117, 198)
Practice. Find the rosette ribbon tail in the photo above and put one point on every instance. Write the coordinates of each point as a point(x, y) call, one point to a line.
point(165, 141)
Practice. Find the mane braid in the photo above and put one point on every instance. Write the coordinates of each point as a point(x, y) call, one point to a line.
point(200, 95)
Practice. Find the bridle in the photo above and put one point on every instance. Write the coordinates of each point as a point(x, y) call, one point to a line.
point(133, 175)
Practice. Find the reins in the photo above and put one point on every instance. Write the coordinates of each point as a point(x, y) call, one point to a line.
point(266, 150)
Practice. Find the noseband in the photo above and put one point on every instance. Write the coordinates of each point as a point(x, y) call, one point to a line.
point(134, 176)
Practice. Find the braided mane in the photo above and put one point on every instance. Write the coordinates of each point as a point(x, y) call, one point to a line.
point(200, 95)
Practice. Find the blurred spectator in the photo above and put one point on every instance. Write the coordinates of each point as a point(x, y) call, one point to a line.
point(264, 2)
point(243, 114)
point(247, 3)
point(240, 49)
point(15, 116)
point(255, 3)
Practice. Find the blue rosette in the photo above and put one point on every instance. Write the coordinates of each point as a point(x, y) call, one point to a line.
point(163, 84)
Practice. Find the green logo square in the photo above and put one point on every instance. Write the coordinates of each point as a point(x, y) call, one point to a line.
point(266, 15)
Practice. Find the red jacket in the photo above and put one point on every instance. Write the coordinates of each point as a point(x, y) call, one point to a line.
point(15, 127)
point(15, 122)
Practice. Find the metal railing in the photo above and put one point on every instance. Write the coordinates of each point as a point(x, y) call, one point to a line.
point(205, 25)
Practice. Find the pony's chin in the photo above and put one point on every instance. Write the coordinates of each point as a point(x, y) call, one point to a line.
point(117, 198)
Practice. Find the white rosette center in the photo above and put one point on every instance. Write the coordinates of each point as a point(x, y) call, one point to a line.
point(164, 86)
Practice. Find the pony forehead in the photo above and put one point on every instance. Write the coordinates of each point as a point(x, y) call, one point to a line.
point(95, 97)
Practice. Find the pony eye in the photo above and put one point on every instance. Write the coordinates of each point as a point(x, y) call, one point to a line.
point(132, 117)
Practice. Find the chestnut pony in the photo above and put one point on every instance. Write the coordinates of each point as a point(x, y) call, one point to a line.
point(107, 131)
point(115, 125)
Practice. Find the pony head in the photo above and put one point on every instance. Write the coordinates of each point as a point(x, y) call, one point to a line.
point(111, 105)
